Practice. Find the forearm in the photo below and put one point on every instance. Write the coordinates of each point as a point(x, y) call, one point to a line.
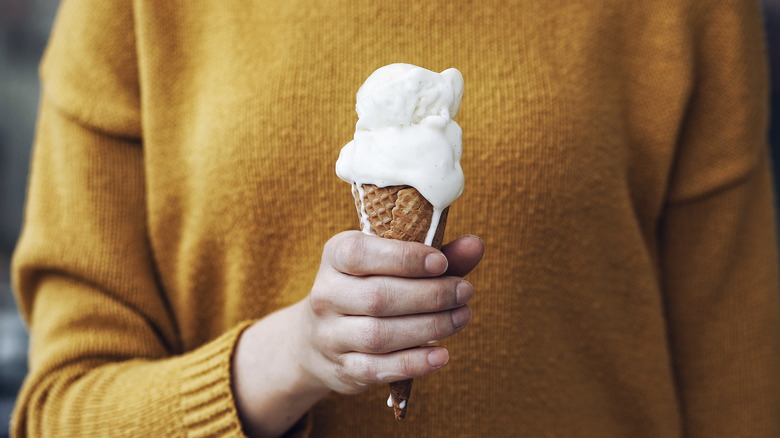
point(723, 306)
point(86, 393)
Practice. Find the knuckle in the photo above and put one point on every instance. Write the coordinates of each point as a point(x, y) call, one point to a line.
point(319, 302)
point(330, 246)
point(376, 300)
point(349, 252)
point(347, 379)
point(327, 343)
point(358, 368)
point(442, 298)
point(441, 325)
point(407, 366)
point(373, 336)
point(340, 370)
point(364, 370)
point(408, 259)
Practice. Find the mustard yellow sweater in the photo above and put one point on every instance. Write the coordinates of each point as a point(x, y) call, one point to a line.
point(183, 185)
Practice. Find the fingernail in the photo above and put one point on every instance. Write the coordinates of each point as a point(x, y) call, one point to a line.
point(461, 316)
point(435, 263)
point(475, 236)
point(463, 292)
point(438, 357)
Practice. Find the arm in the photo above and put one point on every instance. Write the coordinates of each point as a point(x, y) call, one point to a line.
point(104, 353)
point(104, 345)
point(718, 243)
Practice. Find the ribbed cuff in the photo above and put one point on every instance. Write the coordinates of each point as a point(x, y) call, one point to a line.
point(206, 391)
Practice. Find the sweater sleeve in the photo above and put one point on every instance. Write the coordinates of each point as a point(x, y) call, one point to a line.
point(718, 243)
point(105, 356)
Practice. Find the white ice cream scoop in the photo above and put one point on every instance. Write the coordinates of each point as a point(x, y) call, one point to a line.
point(405, 134)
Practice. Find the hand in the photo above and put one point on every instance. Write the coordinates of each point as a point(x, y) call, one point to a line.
point(372, 305)
point(375, 301)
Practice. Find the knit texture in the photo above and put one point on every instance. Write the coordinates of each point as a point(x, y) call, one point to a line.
point(183, 184)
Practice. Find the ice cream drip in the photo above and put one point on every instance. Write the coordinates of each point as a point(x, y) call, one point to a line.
point(405, 135)
point(402, 405)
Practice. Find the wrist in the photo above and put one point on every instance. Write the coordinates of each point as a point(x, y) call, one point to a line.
point(271, 388)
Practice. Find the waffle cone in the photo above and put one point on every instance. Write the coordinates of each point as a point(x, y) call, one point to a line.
point(400, 213)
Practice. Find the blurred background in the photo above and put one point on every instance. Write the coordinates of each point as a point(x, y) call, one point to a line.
point(24, 29)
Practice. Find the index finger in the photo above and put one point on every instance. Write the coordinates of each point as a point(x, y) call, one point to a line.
point(356, 253)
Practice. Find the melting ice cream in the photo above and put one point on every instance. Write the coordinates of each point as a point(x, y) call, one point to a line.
point(405, 135)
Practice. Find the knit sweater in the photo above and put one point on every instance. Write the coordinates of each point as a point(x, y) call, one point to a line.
point(183, 186)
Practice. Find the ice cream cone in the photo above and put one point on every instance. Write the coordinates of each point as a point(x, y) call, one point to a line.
point(405, 139)
point(400, 213)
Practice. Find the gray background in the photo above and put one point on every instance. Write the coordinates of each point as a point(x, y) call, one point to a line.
point(24, 28)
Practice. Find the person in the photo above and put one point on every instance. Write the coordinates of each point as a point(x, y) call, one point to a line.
point(186, 266)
